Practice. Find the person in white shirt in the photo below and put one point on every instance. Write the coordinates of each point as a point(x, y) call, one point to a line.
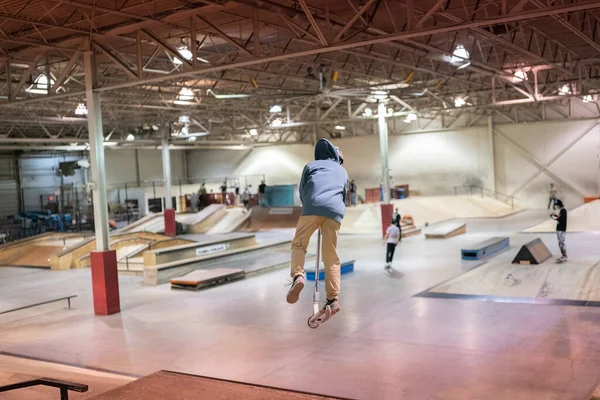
point(392, 237)
point(246, 198)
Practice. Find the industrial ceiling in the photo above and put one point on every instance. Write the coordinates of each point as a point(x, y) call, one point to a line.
point(260, 72)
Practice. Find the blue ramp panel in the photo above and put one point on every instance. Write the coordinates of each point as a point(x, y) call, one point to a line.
point(346, 267)
point(486, 248)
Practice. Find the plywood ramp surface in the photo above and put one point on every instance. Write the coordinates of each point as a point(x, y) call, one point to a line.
point(445, 231)
point(575, 280)
point(170, 385)
point(585, 218)
point(233, 219)
point(34, 256)
point(263, 218)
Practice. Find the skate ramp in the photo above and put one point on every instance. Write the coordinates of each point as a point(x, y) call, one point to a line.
point(233, 219)
point(366, 219)
point(172, 385)
point(190, 221)
point(37, 251)
point(435, 209)
point(585, 218)
point(446, 230)
point(576, 282)
point(263, 218)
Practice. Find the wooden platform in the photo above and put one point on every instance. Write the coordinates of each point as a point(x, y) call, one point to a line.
point(172, 385)
point(446, 231)
point(485, 249)
point(201, 278)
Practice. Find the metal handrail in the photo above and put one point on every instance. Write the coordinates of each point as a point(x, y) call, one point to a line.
point(68, 298)
point(63, 386)
point(491, 193)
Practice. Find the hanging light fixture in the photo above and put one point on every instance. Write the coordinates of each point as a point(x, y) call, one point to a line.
point(520, 76)
point(81, 109)
point(340, 127)
point(130, 137)
point(275, 109)
point(184, 119)
point(276, 122)
point(40, 85)
point(459, 102)
point(367, 112)
point(588, 98)
point(564, 90)
point(253, 132)
point(461, 56)
point(411, 117)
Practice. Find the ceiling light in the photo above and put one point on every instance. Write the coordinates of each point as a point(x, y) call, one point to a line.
point(154, 127)
point(192, 139)
point(110, 144)
point(253, 132)
point(371, 99)
point(275, 109)
point(411, 117)
point(81, 109)
point(460, 54)
point(185, 130)
point(390, 111)
point(459, 102)
point(588, 98)
point(73, 144)
point(520, 76)
point(185, 53)
point(184, 119)
point(276, 122)
point(406, 120)
point(40, 85)
point(130, 137)
point(564, 90)
point(367, 112)
point(340, 127)
point(465, 65)
point(379, 92)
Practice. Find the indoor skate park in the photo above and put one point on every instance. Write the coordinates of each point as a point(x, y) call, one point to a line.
point(151, 156)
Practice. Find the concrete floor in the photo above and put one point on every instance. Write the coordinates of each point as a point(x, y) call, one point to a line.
point(384, 344)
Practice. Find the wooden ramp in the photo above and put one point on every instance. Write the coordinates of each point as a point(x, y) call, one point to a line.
point(173, 385)
point(201, 278)
point(446, 231)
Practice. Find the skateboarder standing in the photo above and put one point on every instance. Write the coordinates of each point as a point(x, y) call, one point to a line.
point(561, 229)
point(397, 218)
point(392, 237)
point(352, 192)
point(323, 188)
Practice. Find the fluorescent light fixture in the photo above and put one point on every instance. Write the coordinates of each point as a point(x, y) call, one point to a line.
point(459, 102)
point(130, 137)
point(564, 90)
point(340, 127)
point(367, 112)
point(81, 109)
point(588, 98)
point(111, 144)
point(40, 85)
point(379, 92)
point(411, 117)
point(227, 96)
point(276, 122)
point(520, 76)
point(185, 53)
point(460, 54)
point(465, 65)
point(253, 131)
point(275, 109)
point(184, 119)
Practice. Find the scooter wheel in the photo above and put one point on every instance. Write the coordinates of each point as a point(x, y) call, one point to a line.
point(312, 324)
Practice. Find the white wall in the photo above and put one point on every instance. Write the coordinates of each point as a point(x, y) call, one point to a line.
point(432, 162)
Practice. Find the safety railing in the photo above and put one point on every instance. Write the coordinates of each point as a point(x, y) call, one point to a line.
point(478, 190)
point(63, 386)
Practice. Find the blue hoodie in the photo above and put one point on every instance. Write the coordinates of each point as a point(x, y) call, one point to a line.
point(324, 183)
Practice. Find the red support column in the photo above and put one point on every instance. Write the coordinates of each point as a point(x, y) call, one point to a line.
point(105, 282)
point(170, 223)
point(387, 212)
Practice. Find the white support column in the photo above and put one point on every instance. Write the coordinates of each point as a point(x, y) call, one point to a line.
point(96, 140)
point(383, 149)
point(492, 153)
point(166, 161)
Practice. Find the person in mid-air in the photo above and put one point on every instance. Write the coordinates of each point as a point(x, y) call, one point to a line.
point(561, 230)
point(323, 188)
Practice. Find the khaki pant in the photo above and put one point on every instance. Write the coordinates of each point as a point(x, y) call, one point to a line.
point(330, 229)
